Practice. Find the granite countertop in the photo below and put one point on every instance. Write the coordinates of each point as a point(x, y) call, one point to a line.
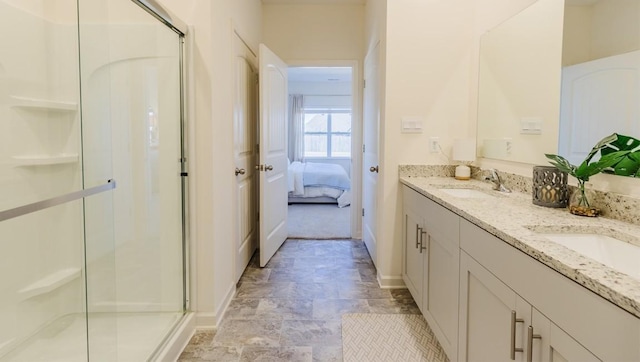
point(518, 222)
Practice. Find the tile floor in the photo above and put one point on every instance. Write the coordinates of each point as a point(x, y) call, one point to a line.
point(291, 309)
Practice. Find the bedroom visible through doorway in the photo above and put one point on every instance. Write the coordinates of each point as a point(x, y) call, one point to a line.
point(320, 146)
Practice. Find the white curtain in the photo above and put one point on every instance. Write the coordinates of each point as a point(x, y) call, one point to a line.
point(296, 127)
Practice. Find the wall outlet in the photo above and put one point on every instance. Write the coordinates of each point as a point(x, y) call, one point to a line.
point(434, 144)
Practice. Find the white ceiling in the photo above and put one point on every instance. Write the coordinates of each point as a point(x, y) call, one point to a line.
point(361, 2)
point(319, 74)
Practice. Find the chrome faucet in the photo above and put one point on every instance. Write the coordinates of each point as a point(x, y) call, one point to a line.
point(497, 182)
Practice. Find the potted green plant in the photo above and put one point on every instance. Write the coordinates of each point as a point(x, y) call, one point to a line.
point(581, 201)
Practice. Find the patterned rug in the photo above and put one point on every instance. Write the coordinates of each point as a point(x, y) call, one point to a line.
point(389, 338)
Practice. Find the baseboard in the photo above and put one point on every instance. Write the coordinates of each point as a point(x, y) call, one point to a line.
point(225, 304)
point(207, 320)
point(391, 282)
point(177, 341)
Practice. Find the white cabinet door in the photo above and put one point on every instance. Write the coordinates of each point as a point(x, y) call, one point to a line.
point(487, 320)
point(554, 344)
point(441, 275)
point(412, 269)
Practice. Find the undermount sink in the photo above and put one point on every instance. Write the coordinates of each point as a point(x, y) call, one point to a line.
point(466, 193)
point(617, 254)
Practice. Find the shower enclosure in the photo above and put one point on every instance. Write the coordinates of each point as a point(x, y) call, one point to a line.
point(92, 180)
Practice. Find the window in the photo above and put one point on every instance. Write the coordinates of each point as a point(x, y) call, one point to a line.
point(327, 133)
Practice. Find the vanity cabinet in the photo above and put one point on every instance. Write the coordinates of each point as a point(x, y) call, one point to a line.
point(573, 323)
point(431, 253)
point(483, 297)
point(497, 324)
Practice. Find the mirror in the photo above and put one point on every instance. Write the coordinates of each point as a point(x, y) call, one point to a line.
point(543, 87)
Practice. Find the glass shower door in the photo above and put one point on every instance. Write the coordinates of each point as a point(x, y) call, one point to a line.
point(43, 197)
point(131, 104)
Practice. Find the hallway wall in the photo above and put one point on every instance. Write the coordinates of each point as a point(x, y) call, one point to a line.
point(211, 148)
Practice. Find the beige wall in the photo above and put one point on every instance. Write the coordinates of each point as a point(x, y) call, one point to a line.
point(314, 31)
point(427, 66)
point(211, 135)
point(602, 29)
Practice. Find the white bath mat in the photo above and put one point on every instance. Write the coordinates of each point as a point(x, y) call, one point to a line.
point(389, 337)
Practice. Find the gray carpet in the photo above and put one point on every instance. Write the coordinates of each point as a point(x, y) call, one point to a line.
point(319, 221)
point(389, 337)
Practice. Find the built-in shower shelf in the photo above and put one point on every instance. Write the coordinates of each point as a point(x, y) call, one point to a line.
point(49, 283)
point(45, 160)
point(44, 104)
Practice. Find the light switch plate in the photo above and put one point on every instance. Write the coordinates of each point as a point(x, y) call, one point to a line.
point(530, 125)
point(411, 125)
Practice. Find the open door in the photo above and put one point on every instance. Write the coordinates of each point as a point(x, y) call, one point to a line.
point(371, 127)
point(245, 125)
point(272, 153)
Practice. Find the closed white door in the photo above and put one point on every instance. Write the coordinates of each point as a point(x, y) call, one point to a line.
point(273, 153)
point(371, 168)
point(245, 132)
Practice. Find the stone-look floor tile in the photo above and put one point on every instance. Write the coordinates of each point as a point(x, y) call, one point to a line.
point(314, 290)
point(255, 275)
point(313, 262)
point(283, 354)
point(393, 306)
point(207, 352)
point(335, 308)
point(311, 333)
point(350, 263)
point(239, 332)
point(264, 290)
point(203, 336)
point(241, 308)
point(267, 317)
point(285, 309)
point(362, 291)
point(360, 253)
point(402, 294)
point(331, 275)
point(368, 275)
point(292, 275)
point(327, 354)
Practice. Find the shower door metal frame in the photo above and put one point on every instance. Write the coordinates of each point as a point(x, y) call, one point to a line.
point(167, 18)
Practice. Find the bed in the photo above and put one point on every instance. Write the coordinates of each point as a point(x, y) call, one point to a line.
point(312, 182)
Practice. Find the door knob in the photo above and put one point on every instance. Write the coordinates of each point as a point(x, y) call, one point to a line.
point(240, 171)
point(268, 168)
point(373, 169)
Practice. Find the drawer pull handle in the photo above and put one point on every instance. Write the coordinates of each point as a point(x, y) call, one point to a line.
point(514, 320)
point(530, 338)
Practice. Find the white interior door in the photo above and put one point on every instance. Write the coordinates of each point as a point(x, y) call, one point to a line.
point(599, 98)
point(273, 153)
point(370, 170)
point(245, 125)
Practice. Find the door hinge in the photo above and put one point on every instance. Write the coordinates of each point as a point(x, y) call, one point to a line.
point(364, 83)
point(363, 211)
point(257, 78)
point(258, 148)
point(363, 148)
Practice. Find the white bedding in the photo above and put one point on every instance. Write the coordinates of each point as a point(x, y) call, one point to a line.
point(298, 189)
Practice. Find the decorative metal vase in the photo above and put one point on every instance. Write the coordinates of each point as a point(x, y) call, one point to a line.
point(549, 187)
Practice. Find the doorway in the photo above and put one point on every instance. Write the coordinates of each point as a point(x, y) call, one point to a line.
point(320, 140)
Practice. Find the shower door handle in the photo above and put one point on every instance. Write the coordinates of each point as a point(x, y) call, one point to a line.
point(55, 201)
